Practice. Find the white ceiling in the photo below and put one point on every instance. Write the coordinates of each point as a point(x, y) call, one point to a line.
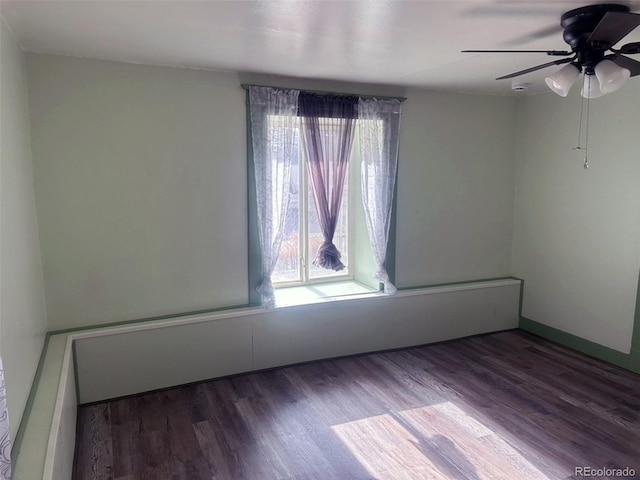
point(408, 43)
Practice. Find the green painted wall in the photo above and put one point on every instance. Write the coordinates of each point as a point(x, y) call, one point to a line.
point(455, 188)
point(576, 231)
point(140, 177)
point(22, 303)
point(141, 187)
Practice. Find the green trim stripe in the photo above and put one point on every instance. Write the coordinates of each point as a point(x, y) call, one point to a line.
point(148, 319)
point(254, 255)
point(577, 343)
point(17, 442)
point(390, 256)
point(635, 339)
point(233, 307)
point(629, 361)
point(450, 284)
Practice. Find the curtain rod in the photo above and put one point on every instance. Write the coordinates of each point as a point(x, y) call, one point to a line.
point(323, 92)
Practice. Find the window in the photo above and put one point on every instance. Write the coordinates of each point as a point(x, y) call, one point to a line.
point(304, 153)
point(303, 235)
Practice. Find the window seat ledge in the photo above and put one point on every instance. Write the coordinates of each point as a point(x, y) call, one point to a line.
point(323, 292)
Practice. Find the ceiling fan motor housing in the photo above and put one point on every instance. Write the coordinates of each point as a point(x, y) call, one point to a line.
point(579, 24)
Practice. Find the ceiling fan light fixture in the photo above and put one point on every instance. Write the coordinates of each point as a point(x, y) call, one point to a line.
point(561, 81)
point(591, 88)
point(611, 76)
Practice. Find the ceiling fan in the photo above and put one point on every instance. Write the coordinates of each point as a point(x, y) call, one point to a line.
point(591, 32)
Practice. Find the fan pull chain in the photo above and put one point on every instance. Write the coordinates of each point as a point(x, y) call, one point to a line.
point(578, 147)
point(585, 165)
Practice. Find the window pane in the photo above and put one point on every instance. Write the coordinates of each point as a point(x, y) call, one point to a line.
point(298, 245)
point(340, 238)
point(288, 265)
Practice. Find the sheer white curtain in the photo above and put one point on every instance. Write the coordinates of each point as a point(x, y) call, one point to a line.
point(379, 126)
point(274, 118)
point(5, 442)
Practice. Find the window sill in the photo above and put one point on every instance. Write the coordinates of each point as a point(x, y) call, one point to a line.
point(323, 292)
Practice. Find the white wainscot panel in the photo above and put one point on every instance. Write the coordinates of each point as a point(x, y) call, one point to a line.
point(140, 360)
point(121, 361)
point(300, 334)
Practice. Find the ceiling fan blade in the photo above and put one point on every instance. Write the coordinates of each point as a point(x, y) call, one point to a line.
point(537, 35)
point(613, 27)
point(559, 53)
point(509, 8)
point(629, 48)
point(625, 62)
point(537, 67)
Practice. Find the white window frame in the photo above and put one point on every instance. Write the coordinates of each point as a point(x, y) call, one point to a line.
point(306, 257)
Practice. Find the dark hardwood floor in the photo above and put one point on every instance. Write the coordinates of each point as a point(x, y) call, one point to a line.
point(502, 406)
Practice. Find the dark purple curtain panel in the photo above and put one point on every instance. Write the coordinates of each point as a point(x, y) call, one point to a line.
point(328, 126)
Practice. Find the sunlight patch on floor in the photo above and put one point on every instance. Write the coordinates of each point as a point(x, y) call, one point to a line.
point(437, 441)
point(386, 449)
